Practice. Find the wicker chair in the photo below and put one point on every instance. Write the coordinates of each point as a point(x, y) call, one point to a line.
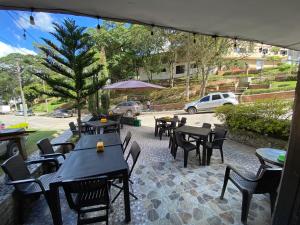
point(266, 182)
point(47, 151)
point(134, 152)
point(88, 195)
point(26, 185)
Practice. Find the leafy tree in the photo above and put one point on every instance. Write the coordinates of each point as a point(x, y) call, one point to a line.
point(208, 53)
point(73, 64)
point(16, 73)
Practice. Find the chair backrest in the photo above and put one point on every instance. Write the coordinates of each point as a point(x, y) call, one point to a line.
point(72, 126)
point(220, 133)
point(95, 189)
point(45, 146)
point(126, 140)
point(173, 124)
point(16, 169)
point(134, 152)
point(268, 180)
point(182, 122)
point(206, 125)
point(179, 139)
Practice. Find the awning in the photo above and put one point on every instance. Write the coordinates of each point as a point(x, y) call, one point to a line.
point(274, 22)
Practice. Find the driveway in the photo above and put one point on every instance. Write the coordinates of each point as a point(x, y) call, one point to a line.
point(147, 118)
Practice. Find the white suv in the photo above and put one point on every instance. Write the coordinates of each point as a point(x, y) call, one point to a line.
point(211, 101)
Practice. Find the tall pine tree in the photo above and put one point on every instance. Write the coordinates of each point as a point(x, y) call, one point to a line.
point(72, 63)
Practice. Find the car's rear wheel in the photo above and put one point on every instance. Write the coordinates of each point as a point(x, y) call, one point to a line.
point(129, 113)
point(192, 110)
point(12, 149)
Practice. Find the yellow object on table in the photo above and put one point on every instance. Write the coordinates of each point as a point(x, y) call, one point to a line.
point(103, 120)
point(100, 146)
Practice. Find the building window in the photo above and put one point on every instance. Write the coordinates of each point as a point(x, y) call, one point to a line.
point(180, 69)
point(163, 70)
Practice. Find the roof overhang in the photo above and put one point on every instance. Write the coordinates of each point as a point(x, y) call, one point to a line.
point(273, 22)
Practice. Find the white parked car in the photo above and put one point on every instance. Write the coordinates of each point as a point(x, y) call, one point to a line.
point(211, 101)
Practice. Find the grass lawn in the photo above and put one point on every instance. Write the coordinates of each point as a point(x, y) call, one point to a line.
point(53, 104)
point(275, 87)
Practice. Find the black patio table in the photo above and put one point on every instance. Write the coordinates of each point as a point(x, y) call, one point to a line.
point(98, 124)
point(82, 164)
point(200, 132)
point(90, 141)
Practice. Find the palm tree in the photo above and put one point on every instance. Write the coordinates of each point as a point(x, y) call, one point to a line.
point(72, 65)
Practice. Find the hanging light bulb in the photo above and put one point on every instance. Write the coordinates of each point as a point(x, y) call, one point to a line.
point(152, 32)
point(31, 19)
point(98, 25)
point(24, 34)
point(235, 43)
point(194, 38)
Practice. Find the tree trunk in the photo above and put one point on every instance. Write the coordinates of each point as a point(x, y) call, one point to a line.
point(188, 71)
point(79, 117)
point(204, 77)
point(171, 75)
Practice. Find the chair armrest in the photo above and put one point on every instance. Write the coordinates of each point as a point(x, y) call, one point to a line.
point(228, 168)
point(31, 180)
point(220, 139)
point(44, 160)
point(53, 155)
point(65, 143)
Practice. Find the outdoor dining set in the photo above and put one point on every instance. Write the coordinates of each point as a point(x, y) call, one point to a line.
point(86, 173)
point(190, 138)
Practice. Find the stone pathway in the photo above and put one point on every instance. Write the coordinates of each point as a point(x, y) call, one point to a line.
point(171, 194)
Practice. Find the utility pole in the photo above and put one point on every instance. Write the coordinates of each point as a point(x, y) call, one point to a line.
point(19, 74)
point(187, 91)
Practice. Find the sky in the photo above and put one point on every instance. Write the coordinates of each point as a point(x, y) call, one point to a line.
point(13, 23)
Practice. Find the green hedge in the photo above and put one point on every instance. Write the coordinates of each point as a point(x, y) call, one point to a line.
point(268, 117)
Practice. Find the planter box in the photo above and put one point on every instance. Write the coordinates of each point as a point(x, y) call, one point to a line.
point(128, 120)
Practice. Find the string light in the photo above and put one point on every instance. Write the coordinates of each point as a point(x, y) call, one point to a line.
point(194, 35)
point(31, 19)
point(98, 25)
point(24, 34)
point(235, 43)
point(152, 32)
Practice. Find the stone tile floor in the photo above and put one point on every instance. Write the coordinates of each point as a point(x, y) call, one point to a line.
point(171, 194)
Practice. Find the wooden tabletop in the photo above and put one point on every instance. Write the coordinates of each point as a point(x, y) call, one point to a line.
point(90, 141)
point(270, 155)
point(195, 131)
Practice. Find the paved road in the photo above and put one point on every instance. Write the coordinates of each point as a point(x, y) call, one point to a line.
point(49, 123)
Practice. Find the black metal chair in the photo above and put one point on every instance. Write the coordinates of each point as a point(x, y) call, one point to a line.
point(216, 143)
point(186, 146)
point(167, 128)
point(134, 152)
point(25, 184)
point(158, 125)
point(182, 122)
point(88, 195)
point(73, 128)
point(47, 151)
point(266, 182)
point(126, 141)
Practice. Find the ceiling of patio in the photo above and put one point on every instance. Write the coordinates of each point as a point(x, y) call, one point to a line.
point(274, 22)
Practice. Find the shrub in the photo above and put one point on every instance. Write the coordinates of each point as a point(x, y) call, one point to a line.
point(268, 117)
